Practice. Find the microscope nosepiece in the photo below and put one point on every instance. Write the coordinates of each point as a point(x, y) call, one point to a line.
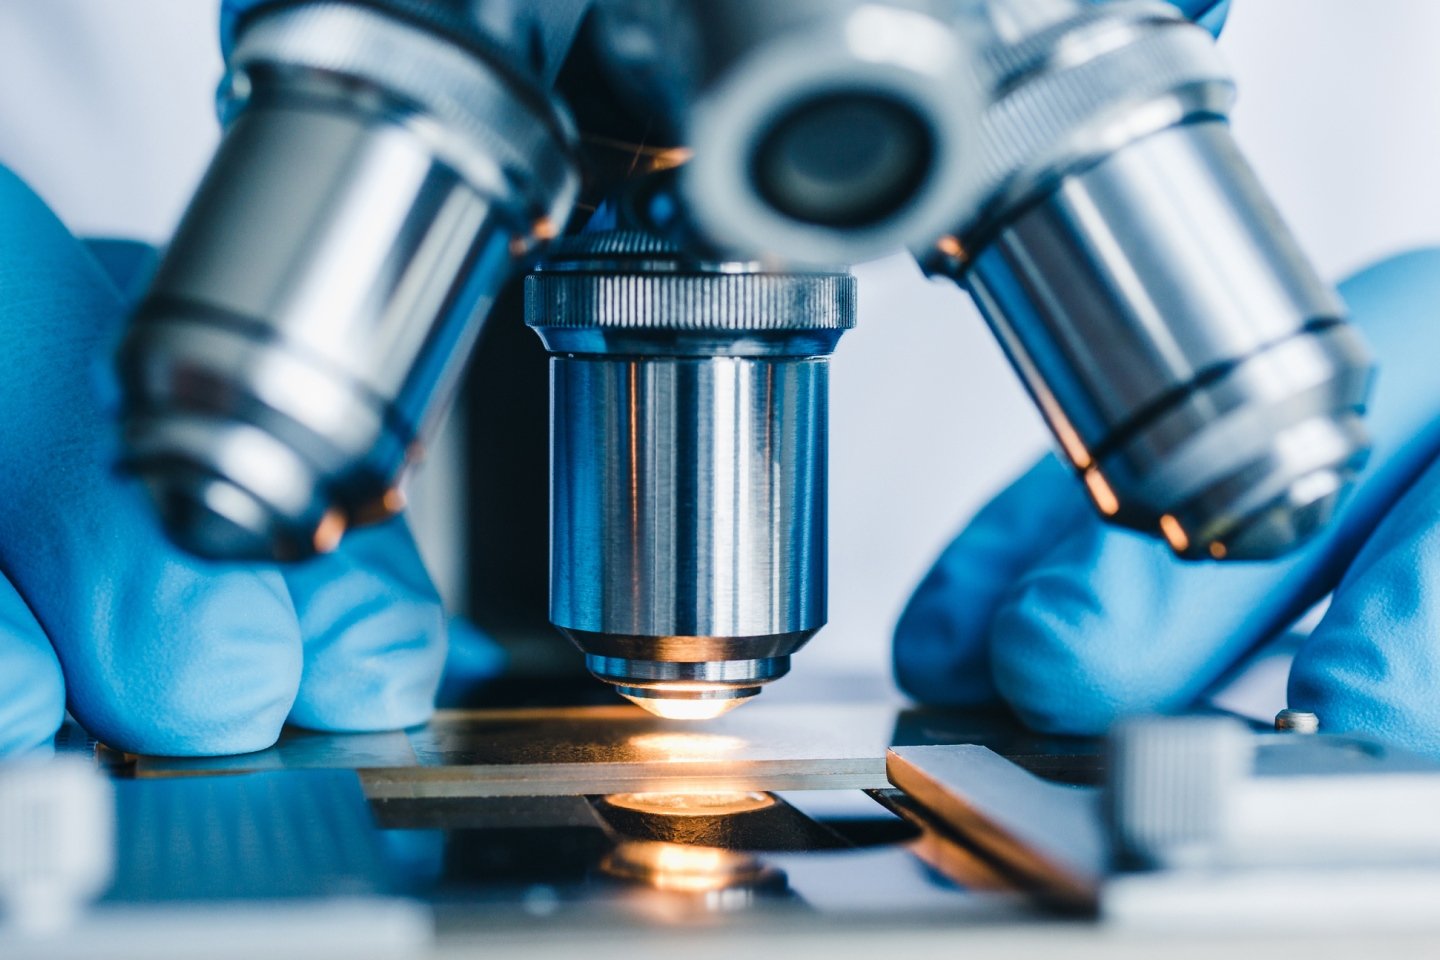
point(819, 131)
point(688, 464)
point(378, 181)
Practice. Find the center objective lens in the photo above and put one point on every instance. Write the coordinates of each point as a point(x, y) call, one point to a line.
point(844, 160)
point(688, 448)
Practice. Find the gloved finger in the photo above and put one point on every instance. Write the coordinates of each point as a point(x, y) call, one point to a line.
point(1105, 622)
point(130, 265)
point(1209, 14)
point(1372, 665)
point(161, 653)
point(471, 662)
point(941, 654)
point(1109, 623)
point(374, 632)
point(32, 690)
point(230, 13)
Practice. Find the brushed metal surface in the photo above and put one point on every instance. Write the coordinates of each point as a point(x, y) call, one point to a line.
point(374, 189)
point(1182, 349)
point(688, 496)
point(1191, 364)
point(688, 456)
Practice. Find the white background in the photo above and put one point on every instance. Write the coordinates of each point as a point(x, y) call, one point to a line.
point(106, 108)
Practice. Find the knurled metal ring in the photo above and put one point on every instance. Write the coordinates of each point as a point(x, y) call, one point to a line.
point(627, 280)
point(1056, 102)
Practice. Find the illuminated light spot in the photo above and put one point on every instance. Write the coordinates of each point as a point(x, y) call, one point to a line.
point(677, 860)
point(387, 505)
point(681, 867)
point(712, 804)
point(1218, 551)
point(672, 708)
point(951, 247)
point(1070, 441)
point(1100, 492)
point(687, 746)
point(329, 532)
point(1175, 534)
point(670, 158)
point(544, 229)
point(394, 500)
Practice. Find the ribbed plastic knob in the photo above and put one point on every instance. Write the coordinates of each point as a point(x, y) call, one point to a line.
point(57, 841)
point(1171, 781)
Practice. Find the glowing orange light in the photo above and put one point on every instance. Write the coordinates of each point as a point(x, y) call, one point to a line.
point(951, 247)
point(674, 858)
point(671, 708)
point(1070, 442)
point(389, 503)
point(1101, 493)
point(671, 158)
point(329, 531)
point(680, 867)
point(712, 804)
point(1218, 551)
point(682, 746)
point(1175, 534)
point(394, 500)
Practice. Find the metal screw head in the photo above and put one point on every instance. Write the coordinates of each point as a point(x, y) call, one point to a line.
point(1296, 721)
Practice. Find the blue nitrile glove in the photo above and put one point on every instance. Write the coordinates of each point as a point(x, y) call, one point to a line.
point(1210, 14)
point(1074, 623)
point(152, 650)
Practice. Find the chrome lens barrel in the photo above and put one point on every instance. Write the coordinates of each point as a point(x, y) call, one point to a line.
point(819, 131)
point(688, 465)
point(377, 183)
point(1192, 366)
point(687, 518)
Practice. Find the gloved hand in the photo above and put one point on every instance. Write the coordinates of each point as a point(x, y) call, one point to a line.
point(153, 650)
point(1210, 14)
point(1074, 623)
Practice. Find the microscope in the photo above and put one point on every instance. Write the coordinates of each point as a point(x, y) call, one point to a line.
point(389, 166)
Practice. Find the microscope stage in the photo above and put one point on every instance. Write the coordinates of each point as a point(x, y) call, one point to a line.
point(575, 818)
point(604, 830)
